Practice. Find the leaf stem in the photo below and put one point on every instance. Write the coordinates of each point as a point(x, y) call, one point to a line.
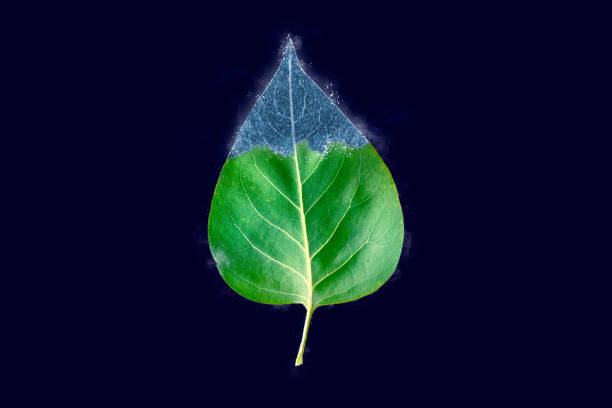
point(300, 355)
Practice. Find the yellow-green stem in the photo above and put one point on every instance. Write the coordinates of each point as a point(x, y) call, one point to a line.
point(300, 356)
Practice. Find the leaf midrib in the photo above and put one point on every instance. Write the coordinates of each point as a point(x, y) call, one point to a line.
point(305, 247)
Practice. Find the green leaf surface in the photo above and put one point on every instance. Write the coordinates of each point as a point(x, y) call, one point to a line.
point(305, 211)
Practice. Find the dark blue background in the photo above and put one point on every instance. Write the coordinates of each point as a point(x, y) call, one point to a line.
point(143, 102)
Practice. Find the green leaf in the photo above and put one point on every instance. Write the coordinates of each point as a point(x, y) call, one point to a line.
point(305, 211)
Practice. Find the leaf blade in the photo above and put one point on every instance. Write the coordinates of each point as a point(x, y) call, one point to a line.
point(312, 215)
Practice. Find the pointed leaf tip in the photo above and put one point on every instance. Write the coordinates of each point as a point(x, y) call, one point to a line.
point(289, 42)
point(293, 108)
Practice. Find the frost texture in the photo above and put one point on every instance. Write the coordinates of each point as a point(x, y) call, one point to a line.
point(313, 117)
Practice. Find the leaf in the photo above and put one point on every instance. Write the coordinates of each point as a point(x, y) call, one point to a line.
point(305, 211)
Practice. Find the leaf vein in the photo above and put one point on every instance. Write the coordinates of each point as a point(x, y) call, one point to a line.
point(265, 219)
point(268, 180)
point(261, 288)
point(313, 170)
point(345, 213)
point(328, 186)
point(265, 254)
point(354, 253)
point(341, 266)
point(344, 291)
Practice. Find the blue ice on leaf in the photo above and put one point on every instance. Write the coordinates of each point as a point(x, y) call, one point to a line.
point(293, 108)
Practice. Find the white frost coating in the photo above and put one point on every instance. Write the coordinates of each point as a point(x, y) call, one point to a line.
point(278, 123)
